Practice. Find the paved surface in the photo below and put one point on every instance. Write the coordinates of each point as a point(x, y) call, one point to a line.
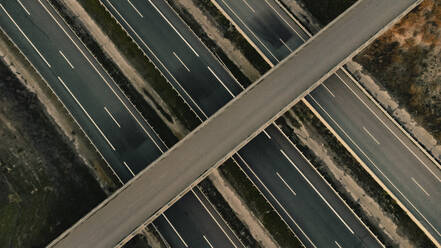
point(405, 170)
point(229, 128)
point(134, 18)
point(104, 113)
point(102, 110)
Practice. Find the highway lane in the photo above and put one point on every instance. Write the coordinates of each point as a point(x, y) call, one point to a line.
point(177, 52)
point(327, 219)
point(361, 127)
point(121, 135)
point(163, 182)
point(83, 86)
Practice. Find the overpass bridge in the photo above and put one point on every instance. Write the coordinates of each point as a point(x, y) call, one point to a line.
point(192, 159)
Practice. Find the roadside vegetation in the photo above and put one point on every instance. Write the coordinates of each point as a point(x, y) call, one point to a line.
point(44, 185)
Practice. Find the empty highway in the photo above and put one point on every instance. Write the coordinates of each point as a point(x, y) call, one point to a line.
point(220, 136)
point(397, 163)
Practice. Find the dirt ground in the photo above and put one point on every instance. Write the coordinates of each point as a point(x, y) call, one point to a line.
point(44, 186)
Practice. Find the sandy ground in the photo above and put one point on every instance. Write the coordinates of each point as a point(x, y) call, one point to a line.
point(370, 207)
point(33, 81)
point(302, 14)
point(125, 66)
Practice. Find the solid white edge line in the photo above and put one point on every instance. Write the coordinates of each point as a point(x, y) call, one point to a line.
point(369, 133)
point(249, 6)
point(102, 77)
point(209, 213)
point(128, 167)
point(208, 242)
point(23, 7)
point(84, 110)
point(338, 245)
point(378, 169)
point(185, 66)
point(220, 81)
point(21, 31)
point(165, 18)
point(174, 229)
point(136, 10)
point(111, 116)
point(313, 187)
point(286, 184)
point(419, 185)
point(65, 58)
point(277, 201)
point(390, 130)
point(285, 21)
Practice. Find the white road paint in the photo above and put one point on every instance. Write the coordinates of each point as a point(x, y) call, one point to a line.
point(380, 171)
point(283, 19)
point(165, 18)
point(84, 110)
point(367, 131)
point(101, 76)
point(287, 47)
point(286, 184)
point(327, 89)
point(133, 6)
point(183, 64)
point(128, 167)
point(248, 5)
point(21, 4)
point(174, 229)
point(212, 217)
point(246, 26)
point(208, 242)
point(111, 116)
point(277, 201)
point(26, 37)
point(266, 133)
point(162, 64)
point(62, 55)
point(421, 187)
point(313, 187)
point(390, 130)
point(220, 81)
point(338, 245)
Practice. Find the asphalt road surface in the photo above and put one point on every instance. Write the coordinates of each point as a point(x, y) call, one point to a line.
point(230, 128)
point(136, 19)
point(412, 177)
point(118, 131)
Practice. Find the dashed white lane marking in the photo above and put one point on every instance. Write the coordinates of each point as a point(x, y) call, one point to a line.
point(133, 6)
point(102, 77)
point(165, 18)
point(62, 55)
point(111, 116)
point(367, 131)
point(185, 66)
point(421, 187)
point(23, 7)
point(249, 6)
point(21, 31)
point(327, 89)
point(338, 245)
point(286, 184)
point(208, 242)
point(174, 229)
point(128, 167)
point(267, 135)
point(84, 110)
point(220, 81)
point(287, 47)
point(313, 187)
